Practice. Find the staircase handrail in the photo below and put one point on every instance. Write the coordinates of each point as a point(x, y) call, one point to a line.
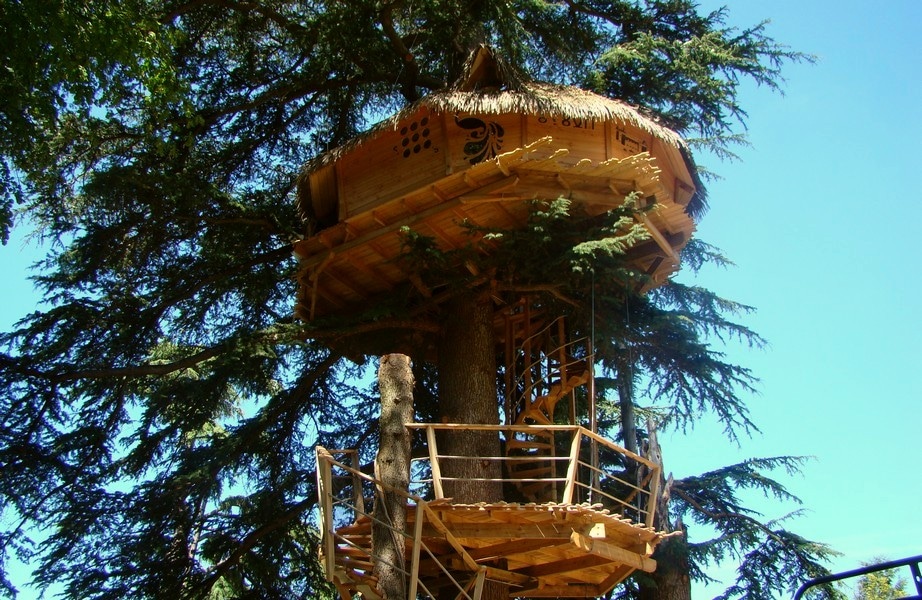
point(519, 378)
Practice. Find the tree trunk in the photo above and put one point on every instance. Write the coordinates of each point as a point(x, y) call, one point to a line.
point(467, 394)
point(670, 581)
point(626, 404)
point(392, 466)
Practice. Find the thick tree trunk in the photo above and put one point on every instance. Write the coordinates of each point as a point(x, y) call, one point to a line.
point(392, 466)
point(671, 580)
point(467, 394)
point(626, 404)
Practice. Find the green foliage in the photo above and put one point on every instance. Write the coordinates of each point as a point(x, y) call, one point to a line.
point(688, 67)
point(773, 559)
point(663, 341)
point(158, 412)
point(881, 585)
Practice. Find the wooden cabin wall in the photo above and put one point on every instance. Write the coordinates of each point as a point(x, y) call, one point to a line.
point(426, 147)
point(393, 163)
point(583, 138)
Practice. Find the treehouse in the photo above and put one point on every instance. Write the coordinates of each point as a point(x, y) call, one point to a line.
point(578, 511)
point(475, 154)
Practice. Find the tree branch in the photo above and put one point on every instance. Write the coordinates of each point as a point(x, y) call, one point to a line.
point(142, 370)
point(410, 66)
point(422, 325)
point(724, 516)
point(553, 290)
point(259, 8)
point(190, 290)
point(247, 544)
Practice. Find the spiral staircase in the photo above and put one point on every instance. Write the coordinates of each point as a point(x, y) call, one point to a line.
point(543, 368)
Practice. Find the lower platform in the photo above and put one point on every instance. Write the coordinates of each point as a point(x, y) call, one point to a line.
point(591, 534)
point(539, 550)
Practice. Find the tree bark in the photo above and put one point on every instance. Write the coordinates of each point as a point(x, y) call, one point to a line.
point(392, 466)
point(468, 394)
point(670, 581)
point(626, 404)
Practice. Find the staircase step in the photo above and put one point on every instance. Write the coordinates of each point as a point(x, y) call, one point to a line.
point(354, 564)
point(361, 528)
point(537, 416)
point(538, 492)
point(351, 552)
point(368, 588)
point(515, 444)
point(532, 473)
point(577, 380)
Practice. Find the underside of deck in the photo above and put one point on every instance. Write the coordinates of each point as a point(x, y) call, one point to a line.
point(539, 550)
point(355, 263)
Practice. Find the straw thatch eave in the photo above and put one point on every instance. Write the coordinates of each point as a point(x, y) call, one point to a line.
point(490, 87)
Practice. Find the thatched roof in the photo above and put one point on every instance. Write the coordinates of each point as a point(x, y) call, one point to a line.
point(489, 86)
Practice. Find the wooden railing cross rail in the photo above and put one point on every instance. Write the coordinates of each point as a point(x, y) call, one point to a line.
point(639, 497)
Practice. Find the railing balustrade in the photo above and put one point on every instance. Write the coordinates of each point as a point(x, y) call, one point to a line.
point(623, 483)
point(620, 480)
point(341, 503)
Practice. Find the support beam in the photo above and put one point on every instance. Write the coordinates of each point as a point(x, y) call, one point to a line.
point(611, 552)
point(513, 547)
point(566, 565)
point(658, 237)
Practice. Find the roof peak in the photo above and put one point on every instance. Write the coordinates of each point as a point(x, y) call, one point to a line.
point(486, 71)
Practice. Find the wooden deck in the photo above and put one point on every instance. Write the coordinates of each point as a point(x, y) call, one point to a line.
point(563, 548)
point(540, 551)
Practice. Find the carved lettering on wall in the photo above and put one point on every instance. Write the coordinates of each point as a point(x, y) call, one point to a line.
point(631, 145)
point(574, 122)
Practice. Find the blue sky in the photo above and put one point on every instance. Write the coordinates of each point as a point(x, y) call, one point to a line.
point(823, 217)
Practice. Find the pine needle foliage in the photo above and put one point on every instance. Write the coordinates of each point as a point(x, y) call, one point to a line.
point(158, 410)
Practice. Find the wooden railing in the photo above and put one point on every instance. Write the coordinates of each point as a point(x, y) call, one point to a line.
point(592, 469)
point(343, 504)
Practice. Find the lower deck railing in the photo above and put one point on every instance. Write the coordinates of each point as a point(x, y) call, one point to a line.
point(583, 468)
point(342, 503)
point(571, 464)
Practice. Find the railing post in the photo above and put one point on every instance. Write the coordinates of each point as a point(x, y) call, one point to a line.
point(417, 542)
point(325, 491)
point(478, 585)
point(434, 464)
point(509, 371)
point(570, 488)
point(593, 421)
